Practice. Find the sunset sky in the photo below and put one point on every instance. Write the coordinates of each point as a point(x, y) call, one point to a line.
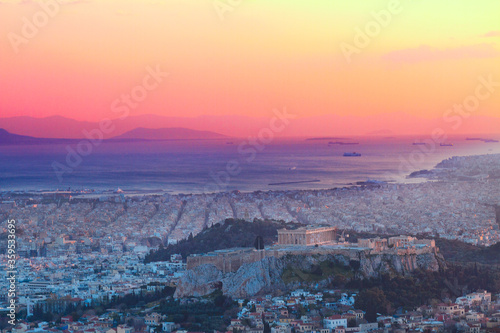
point(247, 58)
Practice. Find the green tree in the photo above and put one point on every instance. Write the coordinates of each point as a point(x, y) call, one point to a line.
point(372, 301)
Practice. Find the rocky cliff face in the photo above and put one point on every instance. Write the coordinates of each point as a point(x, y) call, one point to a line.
point(269, 274)
point(200, 281)
point(256, 278)
point(375, 265)
point(259, 277)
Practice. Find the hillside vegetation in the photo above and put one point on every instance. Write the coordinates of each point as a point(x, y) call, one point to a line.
point(460, 252)
point(232, 233)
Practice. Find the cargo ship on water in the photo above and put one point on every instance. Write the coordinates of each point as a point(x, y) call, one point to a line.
point(342, 143)
point(481, 139)
point(353, 154)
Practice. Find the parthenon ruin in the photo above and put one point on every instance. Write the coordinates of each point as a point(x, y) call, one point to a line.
point(307, 236)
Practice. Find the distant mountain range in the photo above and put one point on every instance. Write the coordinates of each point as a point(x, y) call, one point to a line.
point(399, 123)
point(169, 134)
point(61, 127)
point(138, 134)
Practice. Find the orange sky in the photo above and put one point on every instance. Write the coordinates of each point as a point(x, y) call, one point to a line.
point(248, 58)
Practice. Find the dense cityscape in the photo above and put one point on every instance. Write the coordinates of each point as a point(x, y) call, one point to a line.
point(89, 249)
point(229, 166)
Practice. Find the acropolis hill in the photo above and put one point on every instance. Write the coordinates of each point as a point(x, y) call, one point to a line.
point(242, 272)
point(318, 240)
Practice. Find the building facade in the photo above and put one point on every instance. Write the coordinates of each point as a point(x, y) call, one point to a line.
point(334, 321)
point(307, 236)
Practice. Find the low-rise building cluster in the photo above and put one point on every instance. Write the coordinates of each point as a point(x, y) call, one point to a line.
point(87, 278)
point(328, 311)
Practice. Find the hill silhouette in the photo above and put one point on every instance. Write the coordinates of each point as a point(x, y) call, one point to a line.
point(7, 138)
point(174, 133)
